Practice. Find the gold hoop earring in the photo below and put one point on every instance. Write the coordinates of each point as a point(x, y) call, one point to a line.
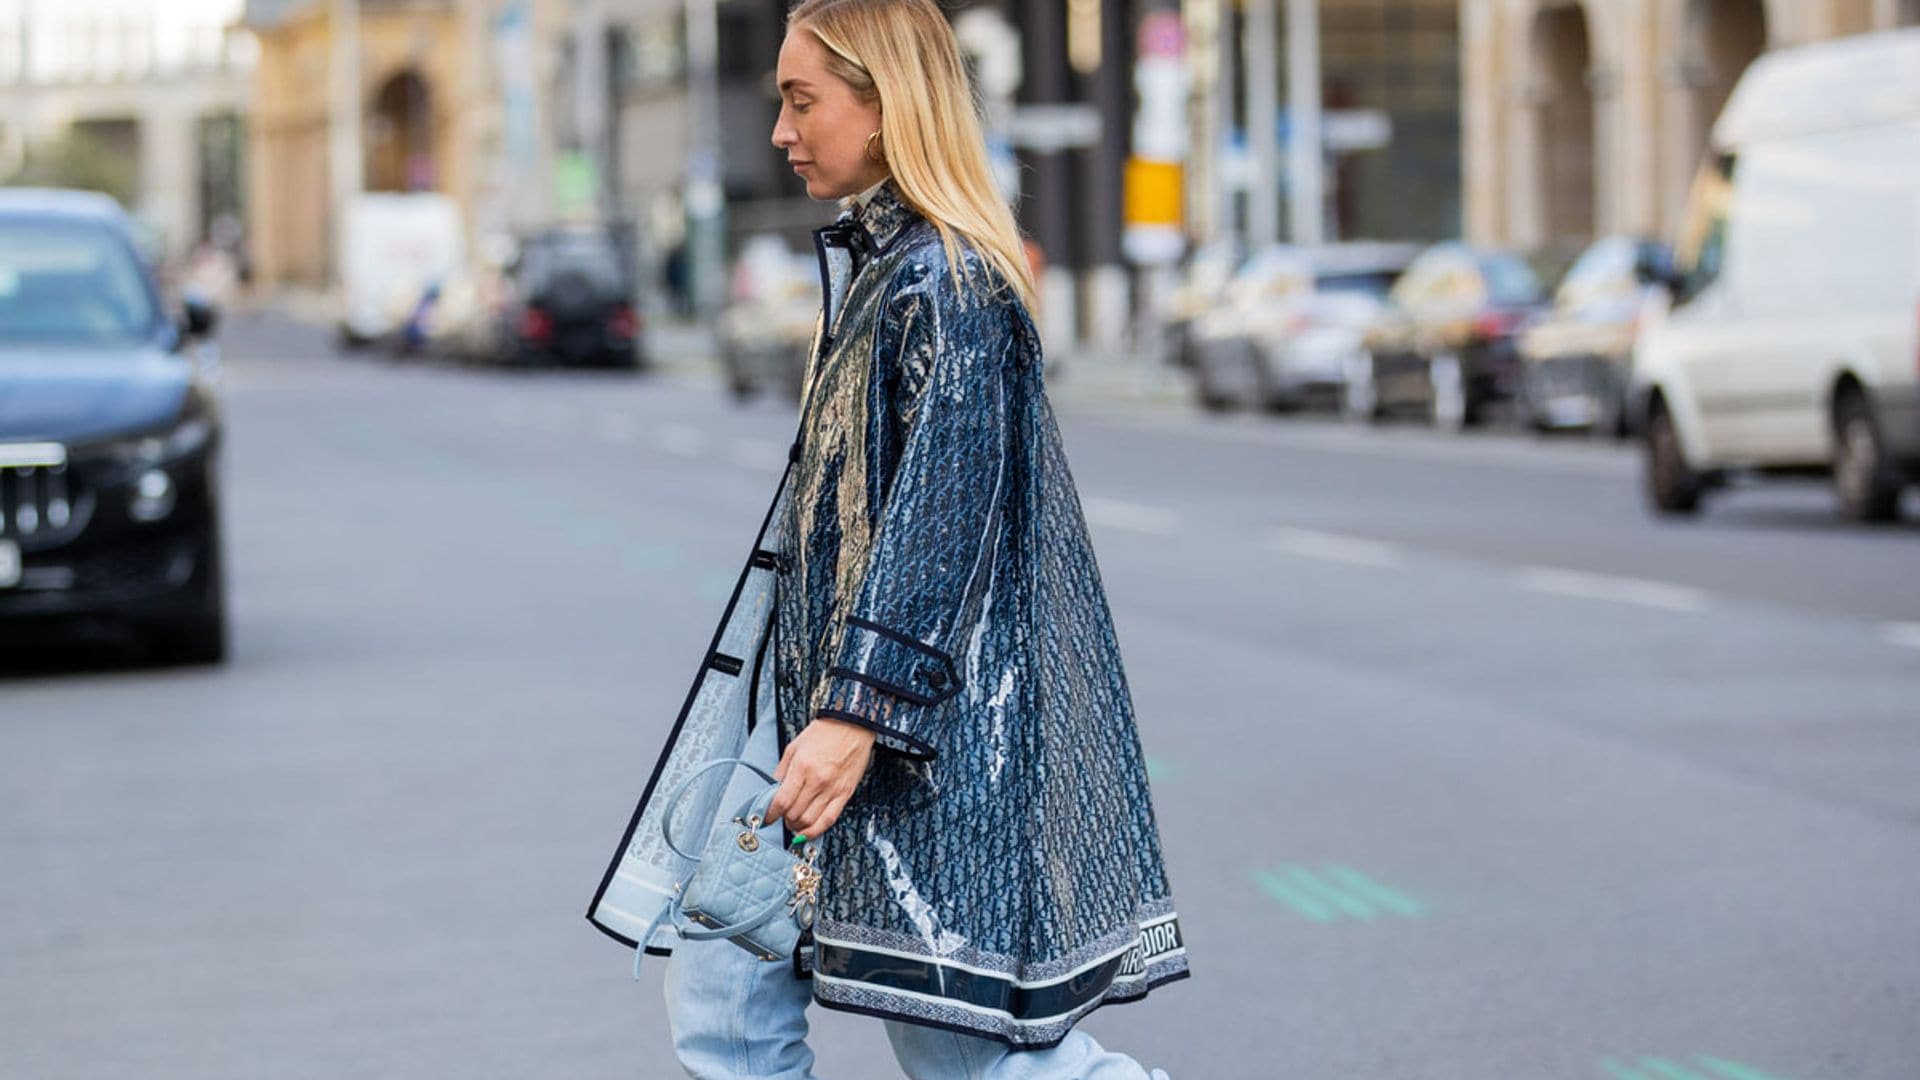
point(881, 157)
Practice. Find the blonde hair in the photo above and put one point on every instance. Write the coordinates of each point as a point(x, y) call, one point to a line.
point(903, 54)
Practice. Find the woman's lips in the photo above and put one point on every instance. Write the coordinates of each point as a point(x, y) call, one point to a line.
point(798, 165)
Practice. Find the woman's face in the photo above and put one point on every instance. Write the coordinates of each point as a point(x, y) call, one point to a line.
point(823, 124)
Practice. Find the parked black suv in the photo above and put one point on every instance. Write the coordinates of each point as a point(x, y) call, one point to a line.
point(572, 302)
point(109, 432)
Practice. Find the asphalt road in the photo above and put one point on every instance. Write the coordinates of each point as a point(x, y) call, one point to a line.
point(1467, 768)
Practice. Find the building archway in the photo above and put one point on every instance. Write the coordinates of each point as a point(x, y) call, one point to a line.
point(1562, 61)
point(400, 136)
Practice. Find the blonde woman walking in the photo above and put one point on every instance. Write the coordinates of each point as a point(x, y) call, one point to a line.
point(947, 710)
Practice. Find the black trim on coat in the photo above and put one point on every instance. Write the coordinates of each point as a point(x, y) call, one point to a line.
point(680, 722)
point(960, 1029)
point(915, 748)
point(947, 668)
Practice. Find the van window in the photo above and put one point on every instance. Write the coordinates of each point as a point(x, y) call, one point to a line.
point(1702, 250)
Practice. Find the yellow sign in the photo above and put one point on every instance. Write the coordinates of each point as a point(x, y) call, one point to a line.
point(1153, 192)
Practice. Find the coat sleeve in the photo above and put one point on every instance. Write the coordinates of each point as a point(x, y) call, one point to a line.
point(893, 647)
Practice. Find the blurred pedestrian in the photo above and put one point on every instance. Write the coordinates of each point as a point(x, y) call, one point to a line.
point(954, 730)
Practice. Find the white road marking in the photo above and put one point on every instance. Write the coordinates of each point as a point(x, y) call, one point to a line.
point(681, 441)
point(1624, 590)
point(1334, 547)
point(1902, 633)
point(1131, 516)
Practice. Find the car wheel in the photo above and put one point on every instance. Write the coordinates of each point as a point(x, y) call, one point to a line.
point(1360, 391)
point(1863, 474)
point(1671, 484)
point(1207, 356)
point(1448, 406)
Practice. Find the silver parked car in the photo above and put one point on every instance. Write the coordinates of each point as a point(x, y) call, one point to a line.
point(1289, 321)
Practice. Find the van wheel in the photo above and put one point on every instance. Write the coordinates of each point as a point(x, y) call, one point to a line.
point(1863, 474)
point(1671, 484)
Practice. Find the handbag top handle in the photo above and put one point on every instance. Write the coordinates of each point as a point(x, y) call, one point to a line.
point(753, 810)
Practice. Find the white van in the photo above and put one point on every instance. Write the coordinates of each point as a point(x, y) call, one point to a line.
point(1792, 346)
point(395, 247)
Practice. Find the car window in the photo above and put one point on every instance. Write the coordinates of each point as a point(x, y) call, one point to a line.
point(1415, 288)
point(1702, 250)
point(1602, 272)
point(1509, 281)
point(597, 262)
point(71, 284)
point(1371, 283)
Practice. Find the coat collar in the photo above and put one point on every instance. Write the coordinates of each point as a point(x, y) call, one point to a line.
point(870, 221)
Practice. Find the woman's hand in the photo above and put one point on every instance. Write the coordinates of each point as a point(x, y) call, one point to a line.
point(817, 774)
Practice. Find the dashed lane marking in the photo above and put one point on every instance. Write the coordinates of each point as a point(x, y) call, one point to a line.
point(1624, 590)
point(1131, 516)
point(1334, 547)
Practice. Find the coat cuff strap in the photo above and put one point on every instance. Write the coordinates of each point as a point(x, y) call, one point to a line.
point(895, 664)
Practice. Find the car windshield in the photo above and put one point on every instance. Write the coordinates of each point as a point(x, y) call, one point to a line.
point(70, 284)
point(1509, 281)
point(1372, 283)
point(595, 261)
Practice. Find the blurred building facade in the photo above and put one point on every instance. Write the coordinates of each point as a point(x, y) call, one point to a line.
point(148, 101)
point(1588, 117)
point(446, 94)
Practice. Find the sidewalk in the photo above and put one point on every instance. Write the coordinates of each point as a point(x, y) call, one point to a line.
point(682, 349)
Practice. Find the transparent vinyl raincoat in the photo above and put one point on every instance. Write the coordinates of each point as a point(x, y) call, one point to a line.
point(925, 572)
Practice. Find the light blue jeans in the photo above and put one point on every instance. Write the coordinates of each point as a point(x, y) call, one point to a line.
point(735, 1017)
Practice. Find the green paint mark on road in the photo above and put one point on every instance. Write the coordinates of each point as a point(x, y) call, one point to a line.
point(1733, 1070)
point(1306, 905)
point(1308, 882)
point(1156, 769)
point(1668, 1070)
point(1336, 893)
point(1364, 886)
point(1653, 1068)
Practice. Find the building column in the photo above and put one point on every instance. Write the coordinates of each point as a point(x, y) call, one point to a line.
point(1481, 131)
point(1636, 126)
point(1524, 226)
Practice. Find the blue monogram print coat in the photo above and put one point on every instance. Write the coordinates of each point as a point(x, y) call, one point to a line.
point(925, 572)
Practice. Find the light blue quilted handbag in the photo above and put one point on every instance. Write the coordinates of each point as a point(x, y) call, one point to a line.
point(746, 888)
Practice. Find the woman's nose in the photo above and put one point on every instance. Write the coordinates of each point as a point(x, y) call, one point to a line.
point(783, 133)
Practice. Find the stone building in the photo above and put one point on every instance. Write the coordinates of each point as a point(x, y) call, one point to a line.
point(1588, 117)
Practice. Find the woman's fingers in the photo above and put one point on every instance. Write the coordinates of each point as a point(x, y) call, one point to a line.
point(785, 798)
point(819, 815)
